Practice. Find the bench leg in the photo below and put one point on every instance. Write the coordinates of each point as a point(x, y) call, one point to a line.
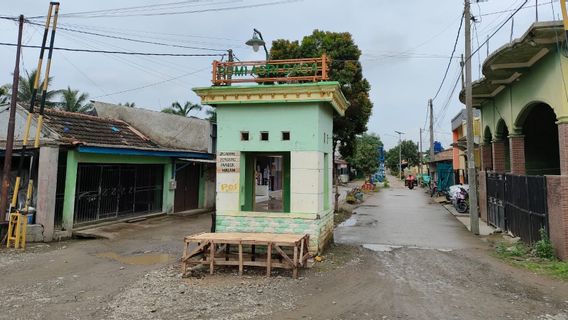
point(240, 259)
point(212, 257)
point(295, 267)
point(268, 259)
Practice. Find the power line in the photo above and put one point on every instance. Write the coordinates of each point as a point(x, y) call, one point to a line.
point(497, 30)
point(135, 40)
point(451, 59)
point(183, 12)
point(152, 84)
point(122, 52)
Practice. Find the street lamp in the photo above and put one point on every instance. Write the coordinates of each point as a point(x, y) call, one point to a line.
point(256, 41)
point(399, 154)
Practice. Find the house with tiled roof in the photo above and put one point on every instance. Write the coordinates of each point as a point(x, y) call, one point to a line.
point(95, 169)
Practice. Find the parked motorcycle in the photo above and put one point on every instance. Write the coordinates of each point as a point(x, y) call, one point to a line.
point(462, 201)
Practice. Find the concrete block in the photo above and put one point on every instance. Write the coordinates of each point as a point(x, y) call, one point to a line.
point(34, 233)
point(306, 160)
point(228, 201)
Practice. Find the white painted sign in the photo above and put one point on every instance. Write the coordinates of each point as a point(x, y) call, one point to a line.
point(229, 162)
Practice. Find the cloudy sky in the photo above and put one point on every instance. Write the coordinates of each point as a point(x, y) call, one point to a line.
point(406, 47)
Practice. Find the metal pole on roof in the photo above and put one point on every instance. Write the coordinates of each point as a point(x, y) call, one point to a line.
point(472, 174)
point(11, 127)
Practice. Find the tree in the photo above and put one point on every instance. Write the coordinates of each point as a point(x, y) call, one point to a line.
point(26, 87)
point(128, 104)
point(4, 95)
point(211, 114)
point(72, 101)
point(184, 111)
point(366, 155)
point(409, 153)
point(344, 68)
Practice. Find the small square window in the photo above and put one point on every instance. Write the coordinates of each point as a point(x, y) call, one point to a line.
point(244, 136)
point(285, 135)
point(264, 136)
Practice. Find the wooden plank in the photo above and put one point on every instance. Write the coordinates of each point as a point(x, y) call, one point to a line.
point(240, 259)
point(268, 259)
point(302, 252)
point(284, 255)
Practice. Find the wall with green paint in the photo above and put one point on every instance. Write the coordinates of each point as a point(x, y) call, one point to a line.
point(74, 158)
point(544, 83)
point(306, 122)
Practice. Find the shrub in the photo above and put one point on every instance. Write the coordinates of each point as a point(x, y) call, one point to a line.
point(543, 248)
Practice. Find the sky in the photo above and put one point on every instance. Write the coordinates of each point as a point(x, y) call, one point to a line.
point(406, 47)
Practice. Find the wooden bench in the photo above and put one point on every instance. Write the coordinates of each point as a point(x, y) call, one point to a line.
point(215, 249)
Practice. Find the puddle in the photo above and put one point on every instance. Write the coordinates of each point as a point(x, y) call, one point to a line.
point(381, 247)
point(349, 222)
point(141, 260)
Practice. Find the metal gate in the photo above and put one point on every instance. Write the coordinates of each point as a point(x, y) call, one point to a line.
point(116, 191)
point(518, 204)
point(495, 200)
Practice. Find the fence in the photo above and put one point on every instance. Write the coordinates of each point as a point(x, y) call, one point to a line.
point(518, 204)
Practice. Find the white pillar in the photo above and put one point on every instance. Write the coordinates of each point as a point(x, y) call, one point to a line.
point(46, 190)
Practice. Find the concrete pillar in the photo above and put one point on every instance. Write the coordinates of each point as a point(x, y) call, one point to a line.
point(563, 145)
point(70, 187)
point(486, 157)
point(46, 187)
point(557, 201)
point(517, 152)
point(482, 191)
point(498, 153)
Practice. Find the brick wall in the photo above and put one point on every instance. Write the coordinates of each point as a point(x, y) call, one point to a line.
point(482, 184)
point(517, 152)
point(563, 145)
point(498, 156)
point(486, 157)
point(557, 200)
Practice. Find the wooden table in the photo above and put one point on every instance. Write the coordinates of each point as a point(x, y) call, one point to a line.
point(215, 249)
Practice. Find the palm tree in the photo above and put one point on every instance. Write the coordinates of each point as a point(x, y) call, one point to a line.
point(184, 111)
point(26, 86)
point(71, 101)
point(211, 114)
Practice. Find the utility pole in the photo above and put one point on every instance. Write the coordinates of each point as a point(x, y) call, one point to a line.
point(420, 155)
point(431, 110)
point(472, 175)
point(536, 8)
point(11, 127)
point(399, 154)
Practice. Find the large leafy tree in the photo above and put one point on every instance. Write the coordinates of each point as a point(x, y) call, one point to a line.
point(26, 86)
point(344, 68)
point(409, 153)
point(72, 101)
point(366, 155)
point(177, 109)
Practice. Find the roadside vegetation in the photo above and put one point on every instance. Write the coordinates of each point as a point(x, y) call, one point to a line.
point(538, 258)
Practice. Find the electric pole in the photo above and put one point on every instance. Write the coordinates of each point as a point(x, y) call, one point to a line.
point(11, 127)
point(420, 155)
point(431, 110)
point(472, 175)
point(399, 154)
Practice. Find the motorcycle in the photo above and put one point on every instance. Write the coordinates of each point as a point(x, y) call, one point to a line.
point(410, 182)
point(462, 201)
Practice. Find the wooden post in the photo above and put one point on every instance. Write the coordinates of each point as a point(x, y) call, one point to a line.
point(324, 67)
point(269, 259)
point(212, 257)
point(295, 262)
point(240, 259)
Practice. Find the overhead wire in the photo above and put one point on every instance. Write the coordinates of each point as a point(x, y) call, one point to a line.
point(451, 59)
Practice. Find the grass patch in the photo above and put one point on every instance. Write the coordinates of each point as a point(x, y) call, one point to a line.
point(534, 259)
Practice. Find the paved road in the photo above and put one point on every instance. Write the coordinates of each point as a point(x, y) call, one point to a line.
point(399, 216)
